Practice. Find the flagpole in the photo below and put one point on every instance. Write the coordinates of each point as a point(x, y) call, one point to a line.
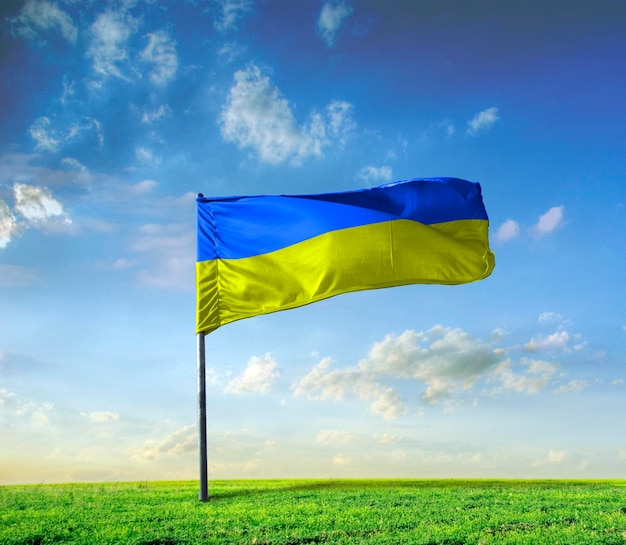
point(202, 439)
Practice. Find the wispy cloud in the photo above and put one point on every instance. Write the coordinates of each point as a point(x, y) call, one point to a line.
point(109, 48)
point(12, 276)
point(259, 375)
point(179, 442)
point(258, 117)
point(549, 222)
point(40, 16)
point(44, 136)
point(482, 121)
point(160, 52)
point(507, 231)
point(374, 175)
point(230, 12)
point(572, 387)
point(331, 17)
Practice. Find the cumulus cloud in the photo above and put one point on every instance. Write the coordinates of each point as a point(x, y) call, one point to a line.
point(445, 364)
point(36, 204)
point(258, 117)
point(109, 48)
point(179, 442)
point(556, 341)
point(535, 377)
point(36, 414)
point(160, 52)
point(230, 12)
point(507, 231)
point(7, 224)
point(331, 18)
point(446, 361)
point(482, 121)
point(38, 16)
point(549, 222)
point(375, 175)
point(36, 207)
point(553, 457)
point(259, 375)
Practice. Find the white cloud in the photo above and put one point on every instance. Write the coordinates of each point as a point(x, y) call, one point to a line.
point(549, 222)
point(557, 341)
point(341, 460)
point(550, 318)
point(50, 139)
point(7, 224)
point(110, 33)
point(256, 116)
point(482, 121)
point(573, 386)
point(154, 115)
point(536, 376)
point(331, 17)
point(179, 442)
point(507, 231)
point(101, 417)
point(375, 175)
point(147, 156)
point(87, 124)
point(553, 457)
point(231, 12)
point(161, 53)
point(45, 137)
point(36, 204)
point(617, 382)
point(40, 16)
point(446, 361)
point(259, 375)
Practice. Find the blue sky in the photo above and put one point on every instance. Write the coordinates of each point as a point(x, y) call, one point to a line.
point(116, 113)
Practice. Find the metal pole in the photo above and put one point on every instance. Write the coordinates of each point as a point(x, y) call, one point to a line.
point(202, 440)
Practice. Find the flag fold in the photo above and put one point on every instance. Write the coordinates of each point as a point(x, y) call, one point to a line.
point(266, 253)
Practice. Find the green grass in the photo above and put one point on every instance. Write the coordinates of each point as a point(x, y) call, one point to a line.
point(299, 512)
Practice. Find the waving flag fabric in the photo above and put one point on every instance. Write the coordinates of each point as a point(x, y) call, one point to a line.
point(267, 253)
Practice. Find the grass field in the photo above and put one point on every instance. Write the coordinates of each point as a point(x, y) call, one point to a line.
point(295, 512)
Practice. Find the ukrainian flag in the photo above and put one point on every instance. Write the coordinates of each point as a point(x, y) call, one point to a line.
point(267, 253)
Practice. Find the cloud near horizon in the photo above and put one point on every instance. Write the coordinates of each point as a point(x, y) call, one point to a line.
point(448, 363)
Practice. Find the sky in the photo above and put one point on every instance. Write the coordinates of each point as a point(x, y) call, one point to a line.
point(116, 113)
